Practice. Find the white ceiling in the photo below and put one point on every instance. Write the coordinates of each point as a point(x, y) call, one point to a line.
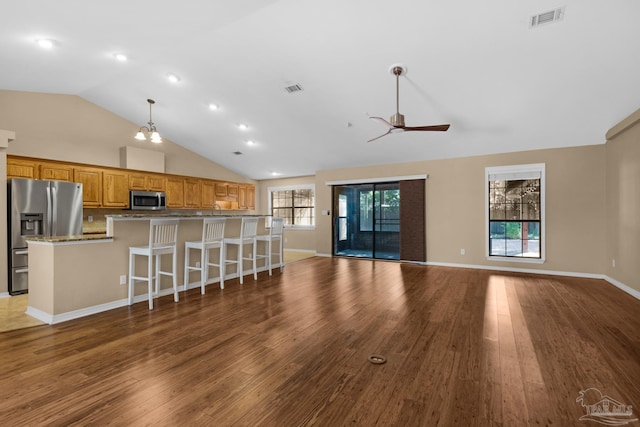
point(475, 64)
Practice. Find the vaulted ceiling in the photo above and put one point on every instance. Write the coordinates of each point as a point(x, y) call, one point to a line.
point(478, 65)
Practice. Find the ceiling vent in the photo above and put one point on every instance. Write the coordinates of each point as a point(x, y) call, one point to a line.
point(293, 88)
point(237, 153)
point(546, 17)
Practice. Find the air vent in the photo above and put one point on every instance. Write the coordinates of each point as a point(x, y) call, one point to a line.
point(546, 17)
point(237, 153)
point(293, 88)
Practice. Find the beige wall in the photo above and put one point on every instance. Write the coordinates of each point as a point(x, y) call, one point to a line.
point(455, 206)
point(623, 202)
point(69, 128)
point(304, 240)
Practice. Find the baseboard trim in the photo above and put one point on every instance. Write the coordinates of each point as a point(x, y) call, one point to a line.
point(622, 287)
point(306, 251)
point(5, 294)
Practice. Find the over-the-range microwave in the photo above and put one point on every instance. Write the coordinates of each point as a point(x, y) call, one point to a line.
point(147, 200)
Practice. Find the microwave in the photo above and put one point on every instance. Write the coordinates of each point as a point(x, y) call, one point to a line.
point(147, 200)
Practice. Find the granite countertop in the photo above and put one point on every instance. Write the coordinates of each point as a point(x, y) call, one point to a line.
point(182, 215)
point(74, 238)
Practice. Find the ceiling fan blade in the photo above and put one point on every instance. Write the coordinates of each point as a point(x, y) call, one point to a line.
point(438, 128)
point(384, 134)
point(382, 121)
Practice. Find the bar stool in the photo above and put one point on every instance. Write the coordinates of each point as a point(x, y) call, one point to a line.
point(212, 237)
point(275, 233)
point(163, 236)
point(248, 230)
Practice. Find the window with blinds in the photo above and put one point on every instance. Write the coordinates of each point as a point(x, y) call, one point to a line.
point(515, 212)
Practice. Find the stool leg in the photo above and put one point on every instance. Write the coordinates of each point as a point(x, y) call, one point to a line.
point(132, 258)
point(150, 279)
point(204, 264)
point(174, 274)
point(255, 252)
point(223, 263)
point(269, 260)
point(240, 261)
point(280, 259)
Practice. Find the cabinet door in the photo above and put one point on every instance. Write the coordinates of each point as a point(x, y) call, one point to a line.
point(91, 180)
point(251, 197)
point(155, 182)
point(192, 193)
point(115, 189)
point(22, 168)
point(174, 188)
point(242, 197)
point(232, 191)
point(208, 193)
point(137, 181)
point(56, 171)
point(221, 190)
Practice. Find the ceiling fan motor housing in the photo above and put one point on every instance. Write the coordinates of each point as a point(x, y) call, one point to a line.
point(397, 120)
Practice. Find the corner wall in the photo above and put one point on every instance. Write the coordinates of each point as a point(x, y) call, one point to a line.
point(623, 202)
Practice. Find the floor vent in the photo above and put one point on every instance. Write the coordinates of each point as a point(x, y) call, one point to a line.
point(293, 88)
point(546, 17)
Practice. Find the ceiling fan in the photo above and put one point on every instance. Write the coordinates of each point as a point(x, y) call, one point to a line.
point(396, 123)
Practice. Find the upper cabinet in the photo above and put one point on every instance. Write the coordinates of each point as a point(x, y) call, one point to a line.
point(105, 187)
point(91, 180)
point(174, 188)
point(115, 189)
point(19, 168)
point(55, 171)
point(146, 181)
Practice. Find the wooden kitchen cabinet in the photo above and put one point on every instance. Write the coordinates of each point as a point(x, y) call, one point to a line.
point(22, 168)
point(242, 197)
point(221, 190)
point(208, 188)
point(146, 182)
point(91, 180)
point(232, 191)
point(174, 189)
point(115, 189)
point(251, 197)
point(192, 193)
point(55, 171)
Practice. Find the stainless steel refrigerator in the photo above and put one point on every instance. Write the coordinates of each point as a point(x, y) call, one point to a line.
point(38, 208)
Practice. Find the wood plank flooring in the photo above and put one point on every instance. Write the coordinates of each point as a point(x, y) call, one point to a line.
point(463, 348)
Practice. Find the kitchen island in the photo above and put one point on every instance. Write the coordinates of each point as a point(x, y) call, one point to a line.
point(76, 276)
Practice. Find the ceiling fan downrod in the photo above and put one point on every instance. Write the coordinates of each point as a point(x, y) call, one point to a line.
point(397, 120)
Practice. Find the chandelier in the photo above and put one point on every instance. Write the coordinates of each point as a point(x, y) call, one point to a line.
point(150, 130)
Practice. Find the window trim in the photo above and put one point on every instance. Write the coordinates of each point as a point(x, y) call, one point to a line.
point(294, 187)
point(515, 169)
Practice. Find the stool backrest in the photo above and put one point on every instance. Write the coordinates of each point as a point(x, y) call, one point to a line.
point(163, 232)
point(249, 227)
point(277, 225)
point(213, 229)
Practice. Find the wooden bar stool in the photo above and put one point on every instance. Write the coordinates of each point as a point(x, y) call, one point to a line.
point(163, 236)
point(247, 236)
point(275, 234)
point(212, 238)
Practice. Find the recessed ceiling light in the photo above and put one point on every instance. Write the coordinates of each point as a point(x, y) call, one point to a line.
point(275, 174)
point(45, 43)
point(213, 107)
point(251, 142)
point(120, 57)
point(242, 126)
point(173, 78)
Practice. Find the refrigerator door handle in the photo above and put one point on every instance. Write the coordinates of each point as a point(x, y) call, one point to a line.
point(54, 211)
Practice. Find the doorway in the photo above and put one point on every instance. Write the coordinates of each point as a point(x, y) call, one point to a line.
point(367, 220)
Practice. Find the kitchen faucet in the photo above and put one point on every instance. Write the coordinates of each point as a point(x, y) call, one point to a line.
point(216, 206)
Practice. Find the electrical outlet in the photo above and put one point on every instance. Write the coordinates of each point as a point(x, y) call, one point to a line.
point(90, 218)
point(461, 251)
point(198, 264)
point(613, 263)
point(123, 279)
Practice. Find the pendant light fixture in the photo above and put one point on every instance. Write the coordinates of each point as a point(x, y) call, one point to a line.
point(150, 130)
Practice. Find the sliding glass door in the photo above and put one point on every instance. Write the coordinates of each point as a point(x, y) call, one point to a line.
point(367, 220)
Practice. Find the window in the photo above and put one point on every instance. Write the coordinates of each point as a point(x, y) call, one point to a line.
point(295, 204)
point(515, 212)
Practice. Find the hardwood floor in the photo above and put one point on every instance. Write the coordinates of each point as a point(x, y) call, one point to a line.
point(463, 347)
